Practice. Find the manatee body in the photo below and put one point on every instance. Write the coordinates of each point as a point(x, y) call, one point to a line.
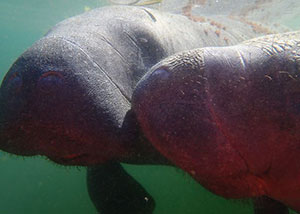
point(229, 116)
point(68, 96)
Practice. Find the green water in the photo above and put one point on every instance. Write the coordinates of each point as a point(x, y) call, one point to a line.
point(36, 186)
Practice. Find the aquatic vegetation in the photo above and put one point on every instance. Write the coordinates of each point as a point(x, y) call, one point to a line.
point(87, 8)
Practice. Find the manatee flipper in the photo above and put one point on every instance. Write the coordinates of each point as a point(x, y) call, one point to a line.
point(113, 191)
point(266, 205)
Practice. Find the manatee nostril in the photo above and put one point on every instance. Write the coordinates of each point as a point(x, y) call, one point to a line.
point(50, 81)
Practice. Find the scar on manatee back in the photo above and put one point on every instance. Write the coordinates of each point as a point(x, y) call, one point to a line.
point(150, 14)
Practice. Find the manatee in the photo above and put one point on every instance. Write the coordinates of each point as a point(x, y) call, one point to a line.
point(68, 97)
point(229, 116)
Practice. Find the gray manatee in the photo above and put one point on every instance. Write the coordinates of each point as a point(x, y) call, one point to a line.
point(68, 96)
point(229, 116)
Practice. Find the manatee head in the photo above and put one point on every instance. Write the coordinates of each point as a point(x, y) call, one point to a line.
point(229, 116)
point(56, 101)
point(171, 105)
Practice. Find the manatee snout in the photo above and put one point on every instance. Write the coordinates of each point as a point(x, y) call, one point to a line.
point(56, 102)
point(11, 86)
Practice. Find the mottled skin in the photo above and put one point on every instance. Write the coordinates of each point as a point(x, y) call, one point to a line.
point(68, 96)
point(229, 116)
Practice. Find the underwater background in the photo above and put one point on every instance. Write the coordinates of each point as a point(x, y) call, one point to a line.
point(35, 185)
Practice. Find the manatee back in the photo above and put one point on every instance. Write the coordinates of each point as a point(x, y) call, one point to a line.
point(126, 41)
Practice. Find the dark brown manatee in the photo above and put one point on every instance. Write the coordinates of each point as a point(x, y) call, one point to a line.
point(68, 96)
point(230, 117)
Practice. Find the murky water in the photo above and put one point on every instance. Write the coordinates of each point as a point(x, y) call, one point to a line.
point(35, 185)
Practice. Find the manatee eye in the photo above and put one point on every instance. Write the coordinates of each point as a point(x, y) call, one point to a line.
point(162, 74)
point(50, 81)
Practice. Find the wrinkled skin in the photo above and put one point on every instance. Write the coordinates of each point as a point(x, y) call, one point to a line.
point(229, 116)
point(68, 96)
